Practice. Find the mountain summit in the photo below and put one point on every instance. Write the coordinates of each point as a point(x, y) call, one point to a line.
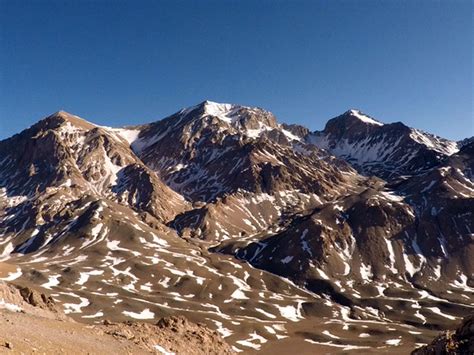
point(385, 150)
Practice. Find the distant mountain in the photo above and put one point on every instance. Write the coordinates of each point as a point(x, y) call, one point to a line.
point(384, 150)
point(356, 235)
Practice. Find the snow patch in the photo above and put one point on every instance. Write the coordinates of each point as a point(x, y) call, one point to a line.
point(145, 314)
point(365, 118)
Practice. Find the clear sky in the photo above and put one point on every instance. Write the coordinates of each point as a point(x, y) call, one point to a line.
point(127, 62)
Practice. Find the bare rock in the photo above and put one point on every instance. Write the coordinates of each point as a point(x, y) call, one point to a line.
point(175, 334)
point(459, 341)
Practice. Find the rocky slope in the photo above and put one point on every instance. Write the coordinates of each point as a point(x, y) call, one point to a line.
point(254, 228)
point(49, 331)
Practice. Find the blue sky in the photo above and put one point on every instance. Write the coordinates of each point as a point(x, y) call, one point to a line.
point(128, 62)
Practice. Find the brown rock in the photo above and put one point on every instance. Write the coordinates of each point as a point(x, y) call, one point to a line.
point(459, 341)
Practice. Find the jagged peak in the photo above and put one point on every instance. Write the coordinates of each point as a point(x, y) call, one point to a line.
point(63, 114)
point(362, 117)
point(207, 107)
point(220, 110)
point(215, 103)
point(60, 117)
point(232, 114)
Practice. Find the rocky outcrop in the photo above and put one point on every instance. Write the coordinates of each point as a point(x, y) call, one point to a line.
point(16, 298)
point(174, 334)
point(455, 342)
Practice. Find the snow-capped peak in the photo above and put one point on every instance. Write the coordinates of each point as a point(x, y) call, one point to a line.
point(219, 110)
point(233, 114)
point(363, 117)
point(65, 119)
point(68, 116)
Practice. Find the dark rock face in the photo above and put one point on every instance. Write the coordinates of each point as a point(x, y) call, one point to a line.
point(459, 341)
point(297, 130)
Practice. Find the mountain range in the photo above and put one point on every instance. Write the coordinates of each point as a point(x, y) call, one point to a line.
point(359, 237)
